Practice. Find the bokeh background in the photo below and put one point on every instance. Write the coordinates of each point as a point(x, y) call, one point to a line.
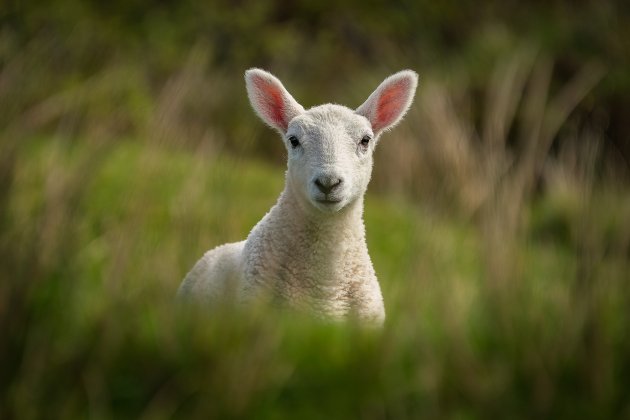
point(498, 218)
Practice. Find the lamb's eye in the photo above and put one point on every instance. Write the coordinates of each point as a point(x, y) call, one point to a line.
point(365, 141)
point(294, 141)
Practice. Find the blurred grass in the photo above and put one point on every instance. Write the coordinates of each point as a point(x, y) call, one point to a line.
point(498, 218)
point(99, 335)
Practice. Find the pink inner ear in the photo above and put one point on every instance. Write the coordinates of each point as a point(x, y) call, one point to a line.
point(270, 102)
point(390, 104)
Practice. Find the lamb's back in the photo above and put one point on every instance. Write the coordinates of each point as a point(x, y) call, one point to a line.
point(216, 276)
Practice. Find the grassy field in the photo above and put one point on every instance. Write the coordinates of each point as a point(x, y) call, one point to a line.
point(97, 236)
point(498, 215)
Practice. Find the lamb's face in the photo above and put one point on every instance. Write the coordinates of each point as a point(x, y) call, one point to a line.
point(329, 156)
point(330, 146)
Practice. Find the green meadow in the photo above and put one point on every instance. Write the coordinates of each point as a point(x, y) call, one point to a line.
point(103, 236)
point(497, 219)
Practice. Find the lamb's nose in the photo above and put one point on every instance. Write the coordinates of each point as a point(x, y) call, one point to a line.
point(327, 184)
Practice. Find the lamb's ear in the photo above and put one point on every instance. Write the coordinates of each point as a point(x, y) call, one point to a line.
point(390, 101)
point(270, 99)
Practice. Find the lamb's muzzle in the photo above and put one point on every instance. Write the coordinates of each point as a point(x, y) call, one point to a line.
point(326, 184)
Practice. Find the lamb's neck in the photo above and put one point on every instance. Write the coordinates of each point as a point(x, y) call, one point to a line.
point(303, 254)
point(327, 231)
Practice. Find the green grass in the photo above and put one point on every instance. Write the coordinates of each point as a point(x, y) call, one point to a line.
point(98, 238)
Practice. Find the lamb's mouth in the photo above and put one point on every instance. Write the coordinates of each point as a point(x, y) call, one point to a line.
point(329, 205)
point(329, 201)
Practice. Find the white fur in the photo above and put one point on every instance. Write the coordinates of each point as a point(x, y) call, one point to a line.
point(309, 252)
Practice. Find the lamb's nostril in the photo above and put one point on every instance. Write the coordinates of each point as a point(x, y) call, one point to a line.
point(327, 183)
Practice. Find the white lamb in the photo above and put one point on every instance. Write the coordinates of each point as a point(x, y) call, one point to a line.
point(309, 252)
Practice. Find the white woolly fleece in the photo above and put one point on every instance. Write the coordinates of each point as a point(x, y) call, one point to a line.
point(309, 252)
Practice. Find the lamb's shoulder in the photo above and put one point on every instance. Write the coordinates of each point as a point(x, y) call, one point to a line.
point(363, 291)
point(216, 276)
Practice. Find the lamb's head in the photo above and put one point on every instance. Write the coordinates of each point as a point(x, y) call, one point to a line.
point(330, 146)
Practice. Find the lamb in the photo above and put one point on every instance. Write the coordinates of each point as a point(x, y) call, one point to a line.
point(309, 252)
